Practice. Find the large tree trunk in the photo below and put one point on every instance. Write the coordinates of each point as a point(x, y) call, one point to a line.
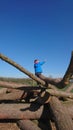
point(30, 92)
point(15, 95)
point(62, 120)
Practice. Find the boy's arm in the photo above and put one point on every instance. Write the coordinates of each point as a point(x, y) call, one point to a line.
point(42, 62)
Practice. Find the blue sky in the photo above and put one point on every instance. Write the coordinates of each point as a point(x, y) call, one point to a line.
point(31, 29)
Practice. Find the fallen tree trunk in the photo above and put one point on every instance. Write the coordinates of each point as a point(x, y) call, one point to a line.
point(5, 84)
point(60, 93)
point(31, 75)
point(23, 111)
point(26, 92)
point(62, 119)
point(70, 88)
point(27, 125)
point(6, 59)
point(15, 95)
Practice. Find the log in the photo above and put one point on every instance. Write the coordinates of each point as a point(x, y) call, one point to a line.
point(62, 119)
point(31, 75)
point(70, 88)
point(69, 72)
point(14, 95)
point(26, 92)
point(27, 125)
point(23, 111)
point(6, 84)
point(59, 93)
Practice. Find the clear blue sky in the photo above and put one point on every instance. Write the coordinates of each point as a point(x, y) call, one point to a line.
point(31, 29)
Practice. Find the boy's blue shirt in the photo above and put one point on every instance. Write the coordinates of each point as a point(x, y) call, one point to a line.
point(37, 67)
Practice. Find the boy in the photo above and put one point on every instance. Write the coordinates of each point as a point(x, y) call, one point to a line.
point(37, 67)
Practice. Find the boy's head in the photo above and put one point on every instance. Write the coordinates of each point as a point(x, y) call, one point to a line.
point(36, 61)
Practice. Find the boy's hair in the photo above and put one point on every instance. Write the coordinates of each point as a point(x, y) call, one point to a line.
point(36, 60)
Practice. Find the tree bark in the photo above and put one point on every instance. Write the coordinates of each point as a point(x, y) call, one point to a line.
point(69, 88)
point(27, 125)
point(62, 120)
point(16, 94)
point(6, 84)
point(58, 93)
point(23, 111)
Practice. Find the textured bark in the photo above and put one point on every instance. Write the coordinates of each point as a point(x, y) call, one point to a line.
point(69, 88)
point(62, 119)
point(15, 95)
point(6, 84)
point(27, 125)
point(30, 92)
point(23, 111)
point(60, 93)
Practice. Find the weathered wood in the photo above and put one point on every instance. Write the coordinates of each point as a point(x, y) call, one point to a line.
point(15, 95)
point(62, 119)
point(23, 111)
point(68, 73)
point(27, 125)
point(59, 93)
point(6, 84)
point(69, 88)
